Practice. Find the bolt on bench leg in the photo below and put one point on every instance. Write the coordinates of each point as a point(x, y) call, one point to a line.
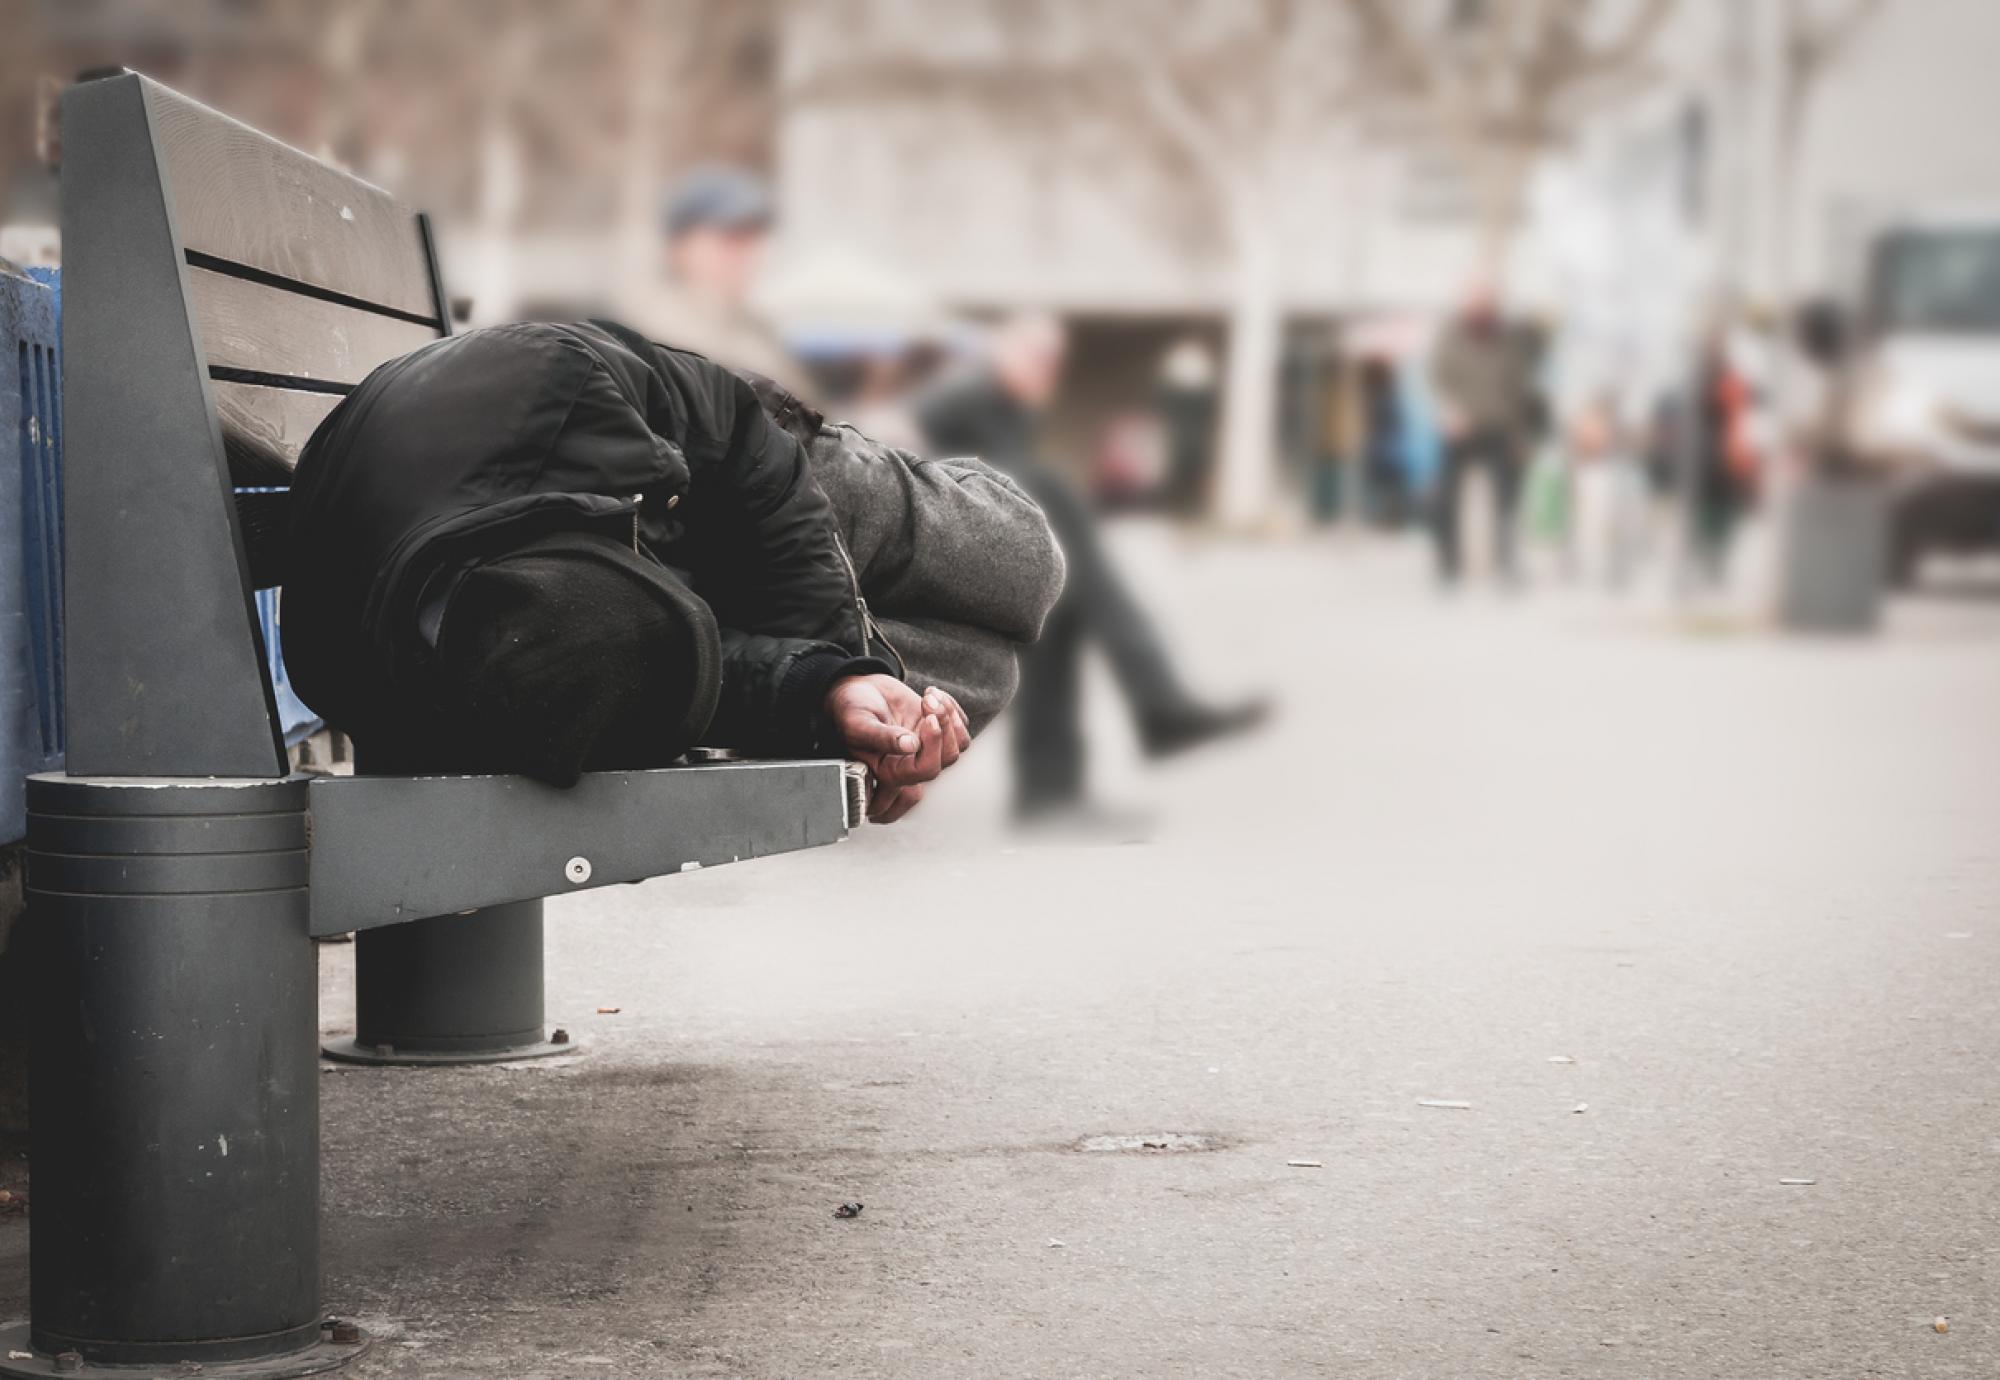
point(175, 1096)
point(452, 989)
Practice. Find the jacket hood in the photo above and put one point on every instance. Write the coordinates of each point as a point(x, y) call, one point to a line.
point(573, 652)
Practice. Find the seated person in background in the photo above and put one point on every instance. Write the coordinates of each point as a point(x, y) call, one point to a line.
point(549, 549)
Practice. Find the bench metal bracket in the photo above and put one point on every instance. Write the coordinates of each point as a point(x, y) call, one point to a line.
point(452, 989)
point(388, 849)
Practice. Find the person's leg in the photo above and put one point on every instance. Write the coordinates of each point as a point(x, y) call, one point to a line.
point(1728, 510)
point(1444, 517)
point(1170, 718)
point(1103, 604)
point(1711, 524)
point(1048, 716)
point(1505, 463)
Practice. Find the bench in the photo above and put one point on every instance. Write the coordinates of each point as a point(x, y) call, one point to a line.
point(222, 291)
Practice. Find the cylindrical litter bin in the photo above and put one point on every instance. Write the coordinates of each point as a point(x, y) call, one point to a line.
point(173, 1077)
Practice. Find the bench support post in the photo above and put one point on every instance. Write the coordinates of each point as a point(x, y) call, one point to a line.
point(452, 989)
point(175, 1136)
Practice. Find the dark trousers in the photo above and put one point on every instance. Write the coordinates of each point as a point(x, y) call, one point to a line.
point(1499, 456)
point(1096, 605)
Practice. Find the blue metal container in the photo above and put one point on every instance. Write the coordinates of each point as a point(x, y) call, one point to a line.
point(31, 549)
point(31, 542)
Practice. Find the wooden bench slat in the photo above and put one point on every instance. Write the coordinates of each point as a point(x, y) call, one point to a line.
point(263, 429)
point(241, 195)
point(246, 325)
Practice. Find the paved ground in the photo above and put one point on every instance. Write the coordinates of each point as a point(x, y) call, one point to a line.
point(1747, 885)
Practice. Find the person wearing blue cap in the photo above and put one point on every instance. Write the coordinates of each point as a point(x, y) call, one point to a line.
point(717, 219)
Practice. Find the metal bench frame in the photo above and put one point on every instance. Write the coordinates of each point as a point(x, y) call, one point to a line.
point(177, 872)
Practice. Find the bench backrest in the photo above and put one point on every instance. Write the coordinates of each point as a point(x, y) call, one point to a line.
point(221, 292)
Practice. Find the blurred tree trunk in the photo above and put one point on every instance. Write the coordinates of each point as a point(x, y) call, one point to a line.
point(1243, 488)
point(1810, 43)
point(1503, 170)
point(1205, 112)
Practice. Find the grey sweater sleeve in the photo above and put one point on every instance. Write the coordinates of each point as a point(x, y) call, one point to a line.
point(975, 666)
point(951, 541)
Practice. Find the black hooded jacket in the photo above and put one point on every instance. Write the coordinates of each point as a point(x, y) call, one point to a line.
point(480, 443)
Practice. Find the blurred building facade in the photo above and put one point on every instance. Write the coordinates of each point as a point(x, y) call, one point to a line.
point(1255, 178)
point(924, 139)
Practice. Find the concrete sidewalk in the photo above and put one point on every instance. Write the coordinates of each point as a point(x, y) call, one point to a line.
point(1746, 886)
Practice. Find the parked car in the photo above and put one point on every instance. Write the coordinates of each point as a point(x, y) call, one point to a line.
point(1923, 398)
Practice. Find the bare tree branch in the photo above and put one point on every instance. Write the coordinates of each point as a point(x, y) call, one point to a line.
point(1213, 102)
point(1505, 81)
point(1167, 103)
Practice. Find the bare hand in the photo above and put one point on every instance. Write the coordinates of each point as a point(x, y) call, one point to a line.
point(904, 739)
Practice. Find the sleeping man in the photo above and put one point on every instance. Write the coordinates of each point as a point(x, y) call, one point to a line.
point(550, 549)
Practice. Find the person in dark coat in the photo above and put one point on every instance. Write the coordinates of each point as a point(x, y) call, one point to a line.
point(548, 549)
point(993, 412)
point(1484, 376)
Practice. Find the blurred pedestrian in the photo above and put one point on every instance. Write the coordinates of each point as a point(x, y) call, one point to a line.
point(717, 220)
point(1725, 454)
point(1337, 448)
point(1188, 408)
point(993, 411)
point(1388, 485)
point(1609, 484)
point(1484, 377)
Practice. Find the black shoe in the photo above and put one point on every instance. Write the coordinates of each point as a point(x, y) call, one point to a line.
point(1192, 725)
